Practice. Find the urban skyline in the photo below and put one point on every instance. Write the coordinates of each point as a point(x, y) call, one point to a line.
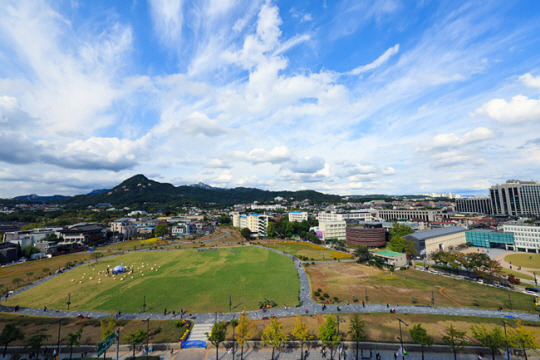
point(347, 97)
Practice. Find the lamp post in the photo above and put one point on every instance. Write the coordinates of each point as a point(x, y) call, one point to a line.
point(232, 323)
point(506, 339)
point(69, 300)
point(147, 334)
point(401, 338)
point(144, 304)
point(58, 341)
point(535, 282)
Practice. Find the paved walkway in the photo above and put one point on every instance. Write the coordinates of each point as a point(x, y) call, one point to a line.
point(506, 265)
point(308, 307)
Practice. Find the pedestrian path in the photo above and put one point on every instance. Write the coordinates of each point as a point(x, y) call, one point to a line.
point(199, 332)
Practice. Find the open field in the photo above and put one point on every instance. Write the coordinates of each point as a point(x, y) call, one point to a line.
point(380, 327)
point(530, 261)
point(385, 328)
point(198, 281)
point(312, 251)
point(162, 330)
point(345, 280)
point(38, 269)
point(135, 245)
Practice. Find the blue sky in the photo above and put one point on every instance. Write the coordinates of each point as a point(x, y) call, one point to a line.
point(347, 97)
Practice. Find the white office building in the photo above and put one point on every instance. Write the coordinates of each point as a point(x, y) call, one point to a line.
point(333, 229)
point(474, 205)
point(298, 216)
point(352, 215)
point(526, 237)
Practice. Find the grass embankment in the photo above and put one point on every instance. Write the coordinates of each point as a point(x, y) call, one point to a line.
point(313, 252)
point(161, 330)
point(198, 281)
point(136, 245)
point(385, 327)
point(345, 280)
point(517, 274)
point(530, 261)
point(380, 327)
point(31, 271)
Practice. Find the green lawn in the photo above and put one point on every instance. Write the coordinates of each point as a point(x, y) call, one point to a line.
point(517, 274)
point(312, 251)
point(531, 261)
point(198, 281)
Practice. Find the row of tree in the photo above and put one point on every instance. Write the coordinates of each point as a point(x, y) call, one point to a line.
point(283, 228)
point(481, 263)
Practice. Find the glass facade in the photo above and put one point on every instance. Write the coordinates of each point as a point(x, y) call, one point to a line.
point(488, 239)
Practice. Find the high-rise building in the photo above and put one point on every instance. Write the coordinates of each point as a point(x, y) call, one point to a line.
point(257, 223)
point(516, 198)
point(477, 204)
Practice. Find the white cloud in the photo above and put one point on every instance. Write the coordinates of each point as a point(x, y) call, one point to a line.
point(276, 155)
point(168, 20)
point(378, 62)
point(307, 165)
point(198, 123)
point(451, 139)
point(530, 80)
point(520, 109)
point(217, 164)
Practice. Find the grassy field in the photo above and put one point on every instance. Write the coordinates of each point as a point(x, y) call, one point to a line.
point(198, 281)
point(162, 330)
point(31, 271)
point(385, 328)
point(531, 261)
point(135, 245)
point(517, 274)
point(312, 251)
point(345, 280)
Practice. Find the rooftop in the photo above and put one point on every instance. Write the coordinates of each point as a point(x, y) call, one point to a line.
point(428, 234)
point(389, 253)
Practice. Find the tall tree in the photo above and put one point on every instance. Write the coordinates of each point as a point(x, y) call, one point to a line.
point(492, 339)
point(217, 335)
point(108, 326)
point(363, 253)
point(246, 233)
point(328, 333)
point(454, 338)
point(73, 340)
point(420, 336)
point(35, 341)
point(301, 333)
point(9, 334)
point(243, 332)
point(274, 335)
point(398, 242)
point(357, 330)
point(161, 230)
point(522, 337)
point(135, 338)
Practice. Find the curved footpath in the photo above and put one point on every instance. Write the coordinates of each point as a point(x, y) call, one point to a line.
point(309, 307)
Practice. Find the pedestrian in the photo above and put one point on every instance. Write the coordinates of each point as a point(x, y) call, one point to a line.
point(344, 354)
point(306, 311)
point(363, 304)
point(305, 354)
point(173, 313)
point(370, 353)
point(387, 305)
point(44, 308)
point(165, 312)
point(395, 356)
point(140, 310)
point(171, 351)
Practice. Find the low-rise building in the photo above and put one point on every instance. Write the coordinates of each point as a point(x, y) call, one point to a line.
point(422, 214)
point(8, 252)
point(526, 237)
point(392, 258)
point(298, 216)
point(124, 226)
point(490, 239)
point(83, 234)
point(333, 230)
point(429, 242)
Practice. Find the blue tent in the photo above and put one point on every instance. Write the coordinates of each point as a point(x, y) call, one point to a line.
point(118, 270)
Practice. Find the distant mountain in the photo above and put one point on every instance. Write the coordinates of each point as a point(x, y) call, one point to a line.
point(38, 198)
point(139, 191)
point(98, 191)
point(202, 186)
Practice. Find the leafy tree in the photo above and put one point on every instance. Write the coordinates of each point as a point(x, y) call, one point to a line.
point(9, 334)
point(270, 229)
point(492, 339)
point(96, 255)
point(420, 336)
point(454, 338)
point(135, 338)
point(35, 341)
point(243, 331)
point(108, 326)
point(301, 332)
point(357, 330)
point(246, 233)
point(522, 337)
point(29, 275)
point(224, 220)
point(274, 335)
point(398, 242)
point(161, 230)
point(217, 335)
point(73, 340)
point(52, 237)
point(29, 250)
point(363, 253)
point(17, 281)
point(328, 333)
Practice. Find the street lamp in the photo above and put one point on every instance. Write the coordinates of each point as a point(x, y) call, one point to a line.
point(147, 334)
point(58, 342)
point(232, 323)
point(535, 282)
point(506, 339)
point(144, 304)
point(401, 338)
point(69, 300)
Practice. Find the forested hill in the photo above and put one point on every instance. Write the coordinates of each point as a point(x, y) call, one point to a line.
point(139, 190)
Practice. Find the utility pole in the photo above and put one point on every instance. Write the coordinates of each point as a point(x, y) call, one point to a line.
point(58, 343)
point(117, 343)
point(69, 300)
point(401, 338)
point(232, 323)
point(144, 304)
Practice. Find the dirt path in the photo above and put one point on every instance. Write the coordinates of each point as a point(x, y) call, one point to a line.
point(448, 297)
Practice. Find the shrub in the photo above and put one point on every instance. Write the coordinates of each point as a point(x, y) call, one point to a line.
point(321, 298)
point(336, 299)
point(414, 300)
point(319, 290)
point(326, 295)
point(354, 298)
point(403, 268)
point(316, 293)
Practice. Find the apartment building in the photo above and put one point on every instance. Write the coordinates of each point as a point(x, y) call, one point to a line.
point(124, 226)
point(516, 198)
point(477, 205)
point(333, 230)
point(257, 223)
point(526, 237)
